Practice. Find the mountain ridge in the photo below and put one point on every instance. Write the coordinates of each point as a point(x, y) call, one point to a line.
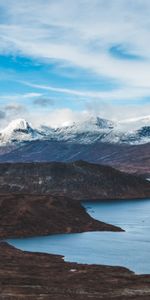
point(87, 131)
point(77, 180)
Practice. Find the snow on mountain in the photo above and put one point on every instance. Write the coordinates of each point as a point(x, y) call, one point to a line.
point(106, 131)
point(87, 131)
point(19, 131)
point(135, 123)
point(93, 129)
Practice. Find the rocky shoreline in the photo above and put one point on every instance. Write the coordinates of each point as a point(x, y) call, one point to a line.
point(33, 276)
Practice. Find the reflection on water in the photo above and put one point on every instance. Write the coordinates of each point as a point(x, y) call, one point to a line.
point(130, 249)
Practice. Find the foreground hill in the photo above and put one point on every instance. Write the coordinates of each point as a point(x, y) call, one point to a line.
point(25, 275)
point(32, 215)
point(78, 180)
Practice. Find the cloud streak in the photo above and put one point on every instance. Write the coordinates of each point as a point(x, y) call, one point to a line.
point(110, 39)
point(82, 34)
point(117, 94)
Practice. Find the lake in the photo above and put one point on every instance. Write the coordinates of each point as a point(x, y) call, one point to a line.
point(130, 249)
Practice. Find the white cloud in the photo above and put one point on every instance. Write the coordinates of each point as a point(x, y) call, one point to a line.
point(81, 33)
point(16, 97)
point(63, 117)
point(125, 93)
point(56, 117)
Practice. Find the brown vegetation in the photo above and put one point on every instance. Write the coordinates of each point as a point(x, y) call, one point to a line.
point(32, 276)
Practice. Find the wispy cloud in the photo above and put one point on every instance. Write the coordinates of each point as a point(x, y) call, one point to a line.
point(117, 94)
point(82, 33)
point(14, 108)
point(110, 39)
point(15, 97)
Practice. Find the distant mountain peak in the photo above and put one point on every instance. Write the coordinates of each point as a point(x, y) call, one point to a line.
point(94, 122)
point(18, 124)
point(18, 130)
point(104, 123)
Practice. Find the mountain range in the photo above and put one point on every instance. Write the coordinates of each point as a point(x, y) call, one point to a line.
point(124, 145)
point(89, 131)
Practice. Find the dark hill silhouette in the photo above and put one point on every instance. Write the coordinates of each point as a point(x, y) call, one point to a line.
point(78, 180)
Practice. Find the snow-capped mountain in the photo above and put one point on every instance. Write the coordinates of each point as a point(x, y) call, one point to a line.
point(91, 130)
point(102, 130)
point(19, 131)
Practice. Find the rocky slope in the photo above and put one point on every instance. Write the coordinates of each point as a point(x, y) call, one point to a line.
point(77, 180)
point(25, 275)
point(30, 215)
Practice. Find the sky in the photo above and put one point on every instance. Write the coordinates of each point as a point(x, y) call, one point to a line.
point(64, 60)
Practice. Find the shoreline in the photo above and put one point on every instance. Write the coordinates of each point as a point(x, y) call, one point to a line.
point(26, 275)
point(40, 276)
point(31, 215)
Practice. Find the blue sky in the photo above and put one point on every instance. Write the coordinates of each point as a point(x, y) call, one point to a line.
point(63, 60)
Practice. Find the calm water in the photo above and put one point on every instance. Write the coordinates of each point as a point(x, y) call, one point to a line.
point(130, 249)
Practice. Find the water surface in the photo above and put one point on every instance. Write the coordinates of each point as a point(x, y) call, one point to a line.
point(130, 249)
